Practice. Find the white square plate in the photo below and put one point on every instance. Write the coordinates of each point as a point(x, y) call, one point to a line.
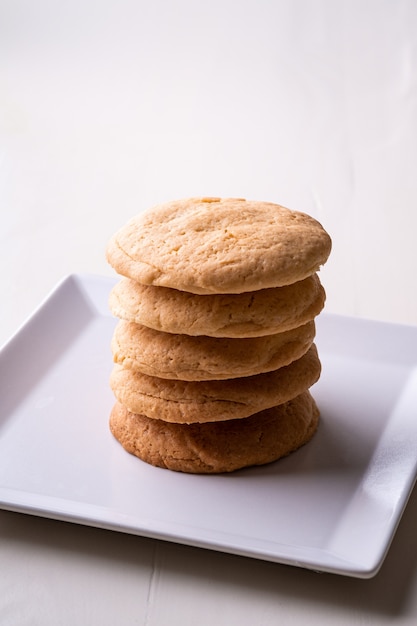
point(331, 506)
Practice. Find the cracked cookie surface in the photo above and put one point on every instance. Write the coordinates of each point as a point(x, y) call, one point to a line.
point(208, 401)
point(184, 357)
point(219, 245)
point(218, 447)
point(250, 314)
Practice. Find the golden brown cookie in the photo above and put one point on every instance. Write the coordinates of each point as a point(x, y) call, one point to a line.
point(218, 447)
point(250, 314)
point(216, 400)
point(215, 245)
point(183, 357)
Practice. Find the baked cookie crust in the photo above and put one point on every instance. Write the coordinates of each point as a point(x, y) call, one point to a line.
point(218, 447)
point(218, 400)
point(250, 314)
point(219, 245)
point(184, 357)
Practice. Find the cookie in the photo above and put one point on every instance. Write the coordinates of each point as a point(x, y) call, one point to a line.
point(183, 357)
point(211, 401)
point(250, 314)
point(215, 245)
point(218, 447)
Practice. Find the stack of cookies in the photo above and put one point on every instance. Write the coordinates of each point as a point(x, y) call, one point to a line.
point(214, 349)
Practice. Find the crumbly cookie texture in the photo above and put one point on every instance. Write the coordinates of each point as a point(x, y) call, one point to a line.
point(250, 314)
point(212, 401)
point(206, 358)
point(218, 245)
point(218, 447)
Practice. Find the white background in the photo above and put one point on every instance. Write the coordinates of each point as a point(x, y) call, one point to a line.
point(109, 107)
